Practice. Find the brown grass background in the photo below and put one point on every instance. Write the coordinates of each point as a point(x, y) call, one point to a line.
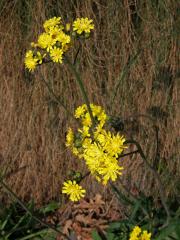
point(33, 124)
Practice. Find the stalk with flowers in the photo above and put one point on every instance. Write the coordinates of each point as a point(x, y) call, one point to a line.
point(92, 142)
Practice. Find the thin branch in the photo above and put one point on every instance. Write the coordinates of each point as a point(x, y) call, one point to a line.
point(133, 198)
point(127, 154)
point(54, 95)
point(161, 188)
point(77, 53)
point(82, 88)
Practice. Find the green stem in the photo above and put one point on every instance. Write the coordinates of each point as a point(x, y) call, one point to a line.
point(81, 85)
point(127, 154)
point(55, 97)
point(29, 212)
point(161, 188)
point(132, 199)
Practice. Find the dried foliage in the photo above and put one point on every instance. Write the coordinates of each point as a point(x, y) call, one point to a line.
point(86, 216)
point(132, 55)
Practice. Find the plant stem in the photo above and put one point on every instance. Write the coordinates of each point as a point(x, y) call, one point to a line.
point(161, 188)
point(29, 212)
point(56, 98)
point(81, 85)
point(127, 154)
point(132, 199)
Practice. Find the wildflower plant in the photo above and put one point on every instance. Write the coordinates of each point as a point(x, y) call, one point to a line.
point(92, 141)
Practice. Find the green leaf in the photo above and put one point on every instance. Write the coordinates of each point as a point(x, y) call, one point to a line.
point(135, 210)
point(166, 233)
point(123, 224)
point(95, 235)
point(111, 236)
point(51, 207)
point(177, 214)
point(3, 223)
point(177, 230)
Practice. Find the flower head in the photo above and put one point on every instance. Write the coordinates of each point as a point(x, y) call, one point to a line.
point(138, 234)
point(68, 27)
point(45, 41)
point(30, 61)
point(86, 121)
point(74, 190)
point(80, 111)
point(39, 57)
point(145, 235)
point(63, 38)
point(81, 25)
point(51, 23)
point(114, 144)
point(69, 138)
point(54, 32)
point(56, 54)
point(110, 170)
point(134, 235)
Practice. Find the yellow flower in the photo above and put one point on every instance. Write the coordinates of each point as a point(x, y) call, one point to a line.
point(95, 109)
point(51, 23)
point(102, 118)
point(134, 235)
point(145, 235)
point(86, 121)
point(68, 27)
point(69, 138)
point(110, 170)
point(137, 234)
point(101, 136)
point(98, 130)
point(80, 111)
point(56, 54)
point(33, 44)
point(115, 144)
point(63, 38)
point(74, 190)
point(54, 32)
point(86, 143)
point(46, 41)
point(84, 131)
point(29, 61)
point(76, 152)
point(93, 156)
point(39, 57)
point(29, 53)
point(81, 25)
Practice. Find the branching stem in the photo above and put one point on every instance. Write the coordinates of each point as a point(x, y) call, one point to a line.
point(156, 175)
point(82, 88)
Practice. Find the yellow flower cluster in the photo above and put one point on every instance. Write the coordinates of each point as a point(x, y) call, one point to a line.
point(55, 41)
point(100, 151)
point(138, 234)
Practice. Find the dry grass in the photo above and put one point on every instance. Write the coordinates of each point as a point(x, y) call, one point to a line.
point(33, 125)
